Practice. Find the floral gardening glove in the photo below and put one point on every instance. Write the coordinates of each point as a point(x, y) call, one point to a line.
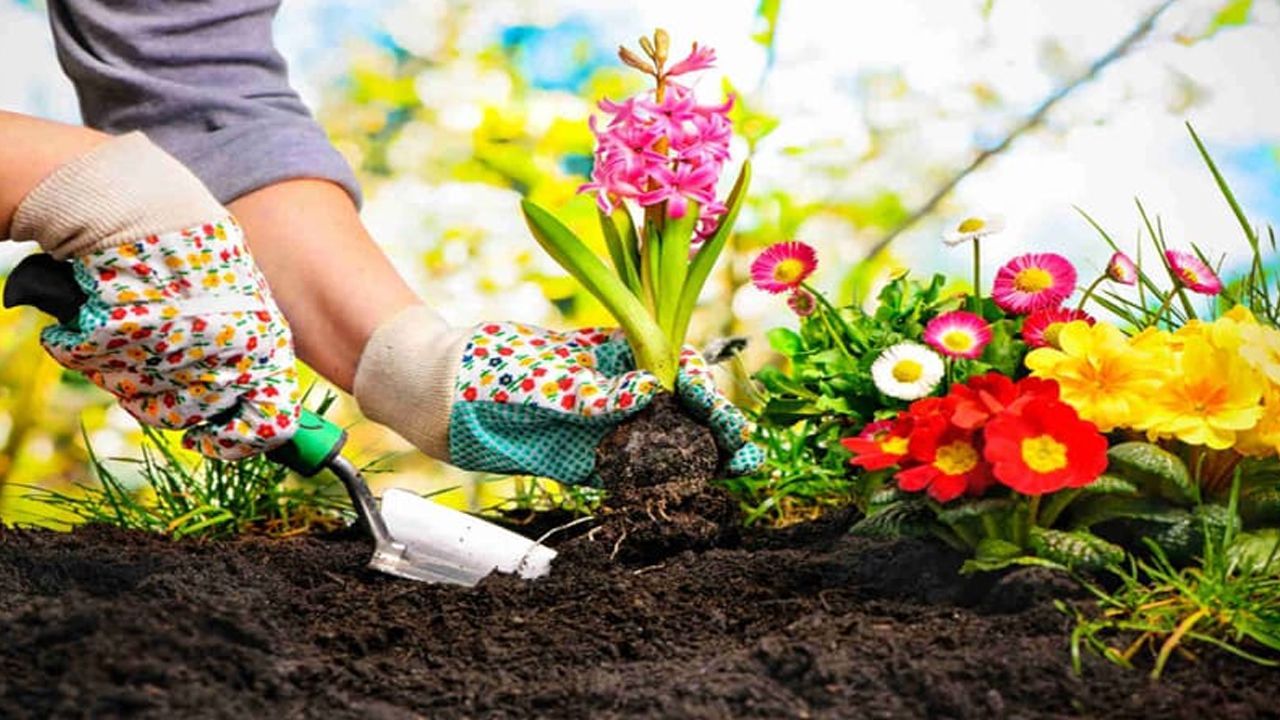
point(181, 328)
point(533, 401)
point(178, 324)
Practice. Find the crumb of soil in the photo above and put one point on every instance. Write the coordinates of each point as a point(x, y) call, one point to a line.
point(805, 622)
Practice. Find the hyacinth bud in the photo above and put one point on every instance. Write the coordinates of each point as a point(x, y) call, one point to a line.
point(647, 45)
point(636, 61)
point(661, 44)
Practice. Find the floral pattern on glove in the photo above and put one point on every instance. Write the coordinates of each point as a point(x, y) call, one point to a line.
point(587, 373)
point(182, 329)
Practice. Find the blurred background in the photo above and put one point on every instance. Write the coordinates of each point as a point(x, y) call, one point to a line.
point(868, 123)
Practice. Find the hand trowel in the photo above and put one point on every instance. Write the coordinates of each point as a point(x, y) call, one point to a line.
point(413, 537)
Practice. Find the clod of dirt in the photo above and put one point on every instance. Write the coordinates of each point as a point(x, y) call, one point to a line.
point(657, 466)
point(658, 445)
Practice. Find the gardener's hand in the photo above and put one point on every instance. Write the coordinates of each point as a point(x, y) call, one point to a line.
point(523, 400)
point(178, 323)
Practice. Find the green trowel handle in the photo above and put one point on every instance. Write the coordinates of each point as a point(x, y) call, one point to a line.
point(313, 447)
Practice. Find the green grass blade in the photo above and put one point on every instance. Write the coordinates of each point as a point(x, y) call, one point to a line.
point(702, 264)
point(1226, 190)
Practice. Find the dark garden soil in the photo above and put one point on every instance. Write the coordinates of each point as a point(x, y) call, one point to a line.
point(805, 622)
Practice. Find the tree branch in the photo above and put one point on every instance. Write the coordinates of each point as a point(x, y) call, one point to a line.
point(1115, 53)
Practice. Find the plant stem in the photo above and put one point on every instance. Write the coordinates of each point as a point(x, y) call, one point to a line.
point(1164, 305)
point(831, 310)
point(1088, 293)
point(977, 277)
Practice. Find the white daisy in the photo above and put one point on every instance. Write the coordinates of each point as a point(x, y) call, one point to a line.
point(972, 228)
point(907, 371)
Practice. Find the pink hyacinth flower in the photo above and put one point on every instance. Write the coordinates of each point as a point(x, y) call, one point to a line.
point(1122, 269)
point(783, 266)
point(700, 58)
point(1193, 273)
point(958, 334)
point(677, 187)
point(1034, 281)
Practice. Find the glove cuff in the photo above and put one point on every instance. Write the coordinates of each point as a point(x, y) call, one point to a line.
point(120, 191)
point(406, 376)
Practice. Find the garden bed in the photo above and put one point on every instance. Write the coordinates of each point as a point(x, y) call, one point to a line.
point(806, 622)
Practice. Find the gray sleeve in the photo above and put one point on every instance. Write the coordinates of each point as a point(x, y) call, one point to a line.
point(203, 80)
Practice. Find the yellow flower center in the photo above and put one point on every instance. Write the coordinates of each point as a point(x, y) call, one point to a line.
point(1044, 454)
point(957, 458)
point(1189, 276)
point(957, 341)
point(894, 445)
point(1033, 280)
point(972, 224)
point(907, 371)
point(789, 271)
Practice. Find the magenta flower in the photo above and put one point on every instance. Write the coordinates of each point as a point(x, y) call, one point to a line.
point(700, 58)
point(1121, 269)
point(1034, 281)
point(958, 334)
point(1041, 327)
point(1193, 272)
point(783, 266)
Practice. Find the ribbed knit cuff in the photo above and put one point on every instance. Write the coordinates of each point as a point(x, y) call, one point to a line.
point(121, 191)
point(406, 376)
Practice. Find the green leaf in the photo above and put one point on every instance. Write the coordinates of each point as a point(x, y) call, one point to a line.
point(1231, 14)
point(1110, 485)
point(1078, 550)
point(652, 350)
point(1155, 470)
point(1261, 505)
point(677, 239)
point(700, 267)
point(1183, 541)
point(786, 342)
point(1092, 510)
point(905, 518)
point(1257, 551)
point(976, 566)
point(958, 512)
point(623, 246)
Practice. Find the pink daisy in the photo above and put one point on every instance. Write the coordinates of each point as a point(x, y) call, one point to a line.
point(1041, 327)
point(783, 266)
point(1122, 270)
point(1193, 273)
point(801, 302)
point(1034, 281)
point(958, 334)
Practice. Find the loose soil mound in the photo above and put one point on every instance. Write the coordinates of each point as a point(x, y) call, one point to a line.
point(800, 623)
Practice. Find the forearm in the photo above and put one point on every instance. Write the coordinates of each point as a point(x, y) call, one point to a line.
point(30, 150)
point(331, 280)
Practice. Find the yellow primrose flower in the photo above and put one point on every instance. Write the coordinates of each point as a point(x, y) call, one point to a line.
point(1211, 396)
point(1263, 439)
point(1099, 373)
point(1260, 348)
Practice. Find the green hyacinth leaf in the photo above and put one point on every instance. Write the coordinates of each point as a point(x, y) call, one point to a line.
point(1077, 550)
point(705, 259)
point(1154, 470)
